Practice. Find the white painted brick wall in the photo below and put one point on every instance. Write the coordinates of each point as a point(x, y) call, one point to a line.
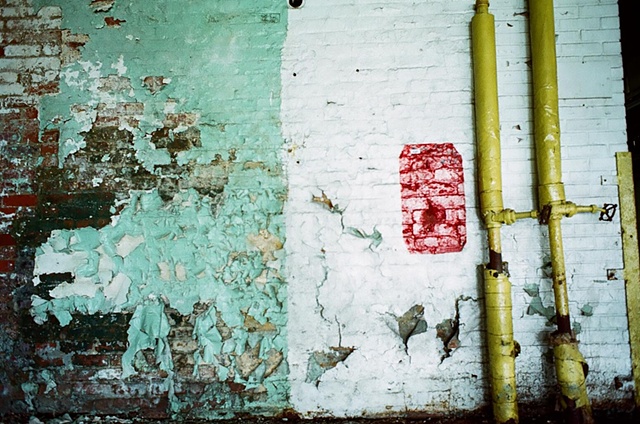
point(360, 80)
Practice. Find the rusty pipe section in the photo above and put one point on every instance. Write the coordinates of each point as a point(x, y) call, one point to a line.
point(569, 364)
point(497, 288)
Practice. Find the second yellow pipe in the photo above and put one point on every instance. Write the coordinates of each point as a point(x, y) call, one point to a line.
point(569, 364)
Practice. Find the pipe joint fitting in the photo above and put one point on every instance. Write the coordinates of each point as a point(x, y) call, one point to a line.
point(491, 219)
point(508, 216)
point(565, 209)
point(494, 219)
point(482, 6)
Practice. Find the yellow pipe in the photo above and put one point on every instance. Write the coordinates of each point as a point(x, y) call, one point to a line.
point(486, 109)
point(559, 275)
point(501, 346)
point(545, 99)
point(569, 363)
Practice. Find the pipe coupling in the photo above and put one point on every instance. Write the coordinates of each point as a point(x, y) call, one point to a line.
point(564, 209)
point(494, 219)
point(482, 6)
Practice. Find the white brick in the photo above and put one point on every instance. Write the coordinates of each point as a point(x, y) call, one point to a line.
point(8, 77)
point(14, 12)
point(414, 85)
point(11, 89)
point(14, 50)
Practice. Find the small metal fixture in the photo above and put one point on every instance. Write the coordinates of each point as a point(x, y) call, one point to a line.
point(608, 212)
point(296, 3)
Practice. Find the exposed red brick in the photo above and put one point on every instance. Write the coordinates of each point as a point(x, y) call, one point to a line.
point(236, 387)
point(7, 240)
point(113, 22)
point(48, 362)
point(101, 222)
point(30, 135)
point(7, 266)
point(49, 149)
point(83, 223)
point(50, 136)
point(90, 360)
point(31, 113)
point(45, 88)
point(20, 200)
point(7, 210)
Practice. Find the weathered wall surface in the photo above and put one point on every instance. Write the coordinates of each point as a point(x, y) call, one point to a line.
point(214, 207)
point(153, 242)
point(362, 80)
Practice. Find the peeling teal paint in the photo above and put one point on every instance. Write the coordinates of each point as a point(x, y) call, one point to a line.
point(220, 61)
point(536, 306)
point(375, 236)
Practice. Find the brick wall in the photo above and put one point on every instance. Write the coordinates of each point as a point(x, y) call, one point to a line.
point(201, 210)
point(361, 81)
point(141, 209)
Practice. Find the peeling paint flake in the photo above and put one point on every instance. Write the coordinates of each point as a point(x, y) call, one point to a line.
point(190, 224)
point(128, 244)
point(149, 328)
point(57, 263)
point(101, 5)
point(322, 361)
point(411, 323)
point(116, 291)
point(266, 243)
point(80, 287)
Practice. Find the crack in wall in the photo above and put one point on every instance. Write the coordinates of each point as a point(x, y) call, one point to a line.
point(449, 329)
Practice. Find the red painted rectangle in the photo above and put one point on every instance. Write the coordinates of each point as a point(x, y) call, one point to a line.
point(433, 202)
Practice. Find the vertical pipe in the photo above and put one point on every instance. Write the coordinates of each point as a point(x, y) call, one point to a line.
point(545, 102)
point(487, 120)
point(501, 347)
point(500, 343)
point(569, 363)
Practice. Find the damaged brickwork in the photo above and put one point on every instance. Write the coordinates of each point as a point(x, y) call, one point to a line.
point(141, 230)
point(153, 154)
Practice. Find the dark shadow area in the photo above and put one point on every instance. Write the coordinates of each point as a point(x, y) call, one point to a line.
point(629, 32)
point(529, 414)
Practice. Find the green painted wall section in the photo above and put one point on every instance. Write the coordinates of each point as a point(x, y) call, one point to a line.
point(219, 61)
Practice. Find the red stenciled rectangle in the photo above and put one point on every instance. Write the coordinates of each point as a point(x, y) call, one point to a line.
point(433, 203)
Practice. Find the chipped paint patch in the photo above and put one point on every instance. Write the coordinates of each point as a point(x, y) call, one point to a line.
point(322, 361)
point(194, 168)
